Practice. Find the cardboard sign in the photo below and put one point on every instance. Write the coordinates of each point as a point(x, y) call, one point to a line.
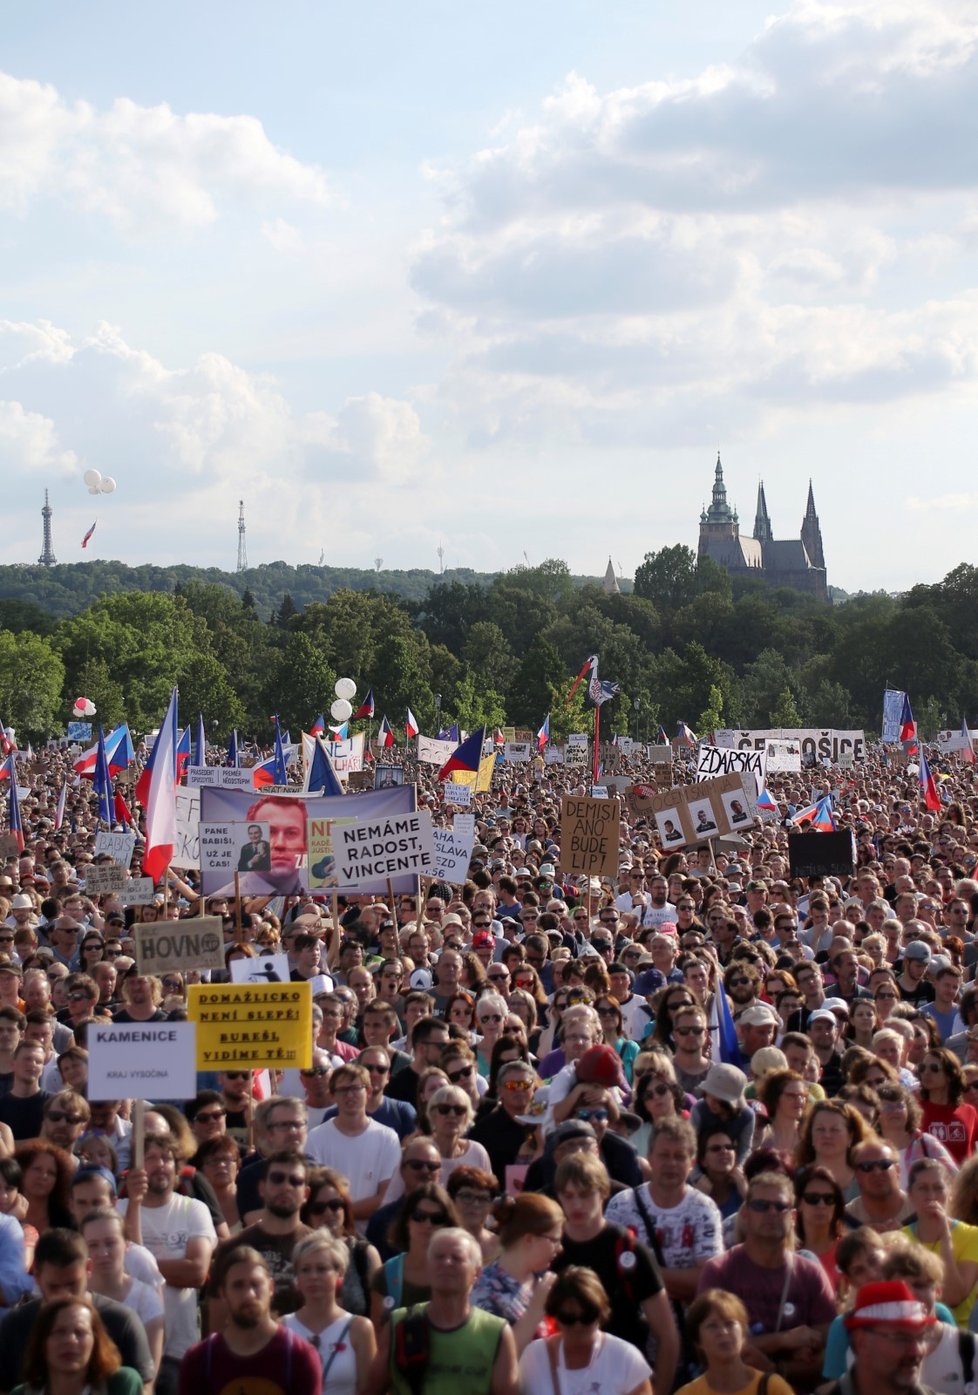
point(79, 731)
point(138, 891)
point(453, 853)
point(226, 777)
point(119, 846)
point(517, 751)
point(180, 944)
point(821, 854)
point(589, 836)
point(249, 1026)
point(576, 756)
point(786, 755)
point(640, 799)
point(688, 814)
point(104, 881)
point(142, 1060)
point(432, 752)
point(395, 845)
point(725, 760)
point(659, 755)
point(186, 853)
point(459, 795)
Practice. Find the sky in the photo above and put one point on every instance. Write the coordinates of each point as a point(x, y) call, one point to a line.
point(500, 279)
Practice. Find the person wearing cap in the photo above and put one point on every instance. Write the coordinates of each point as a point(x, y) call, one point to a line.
point(912, 982)
point(889, 1331)
point(823, 1028)
point(756, 1028)
point(789, 1300)
point(724, 1108)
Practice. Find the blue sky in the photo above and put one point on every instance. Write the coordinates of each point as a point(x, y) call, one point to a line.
point(497, 277)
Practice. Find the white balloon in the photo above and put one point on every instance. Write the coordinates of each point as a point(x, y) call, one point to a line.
point(89, 708)
point(93, 478)
point(341, 711)
point(107, 485)
point(345, 688)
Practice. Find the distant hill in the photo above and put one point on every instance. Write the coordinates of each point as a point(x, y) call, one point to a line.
point(67, 589)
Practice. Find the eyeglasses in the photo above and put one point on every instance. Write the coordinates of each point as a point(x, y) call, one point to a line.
point(818, 1198)
point(281, 1179)
point(721, 1148)
point(58, 1117)
point(875, 1165)
point(737, 982)
point(457, 1109)
point(319, 1208)
point(761, 1207)
point(517, 1084)
point(434, 1218)
point(690, 1031)
point(582, 1319)
point(470, 1198)
point(210, 1116)
point(491, 1017)
point(419, 1165)
point(376, 1069)
point(113, 954)
point(237, 1075)
point(315, 1071)
point(661, 1089)
point(932, 1065)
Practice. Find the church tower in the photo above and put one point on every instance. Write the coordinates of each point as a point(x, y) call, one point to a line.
point(610, 584)
point(762, 523)
point(718, 523)
point(811, 533)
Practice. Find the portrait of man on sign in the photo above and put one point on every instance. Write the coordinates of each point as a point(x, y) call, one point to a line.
point(256, 854)
point(284, 874)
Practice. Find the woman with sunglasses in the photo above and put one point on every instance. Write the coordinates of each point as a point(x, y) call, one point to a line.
point(886, 997)
point(329, 1207)
point(944, 1114)
point(90, 952)
point(664, 1006)
point(720, 1178)
point(899, 1123)
point(581, 1357)
point(490, 1014)
point(515, 1285)
point(523, 1006)
point(405, 1279)
point(460, 1012)
point(820, 1216)
point(657, 1096)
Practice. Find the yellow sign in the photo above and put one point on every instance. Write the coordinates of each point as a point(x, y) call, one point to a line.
point(247, 1026)
point(483, 781)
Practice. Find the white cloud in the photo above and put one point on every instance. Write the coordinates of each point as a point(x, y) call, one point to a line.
point(29, 441)
point(143, 168)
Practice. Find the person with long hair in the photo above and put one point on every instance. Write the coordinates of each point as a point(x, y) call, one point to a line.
point(719, 1176)
point(943, 1113)
point(718, 1332)
point(954, 1241)
point(657, 1096)
point(46, 1172)
point(827, 1137)
point(344, 1342)
point(515, 1285)
point(219, 1159)
point(329, 1207)
point(608, 1009)
point(578, 1306)
point(460, 1012)
point(899, 1123)
point(665, 1004)
point(405, 1279)
point(784, 1096)
point(70, 1353)
point(863, 1022)
point(820, 1216)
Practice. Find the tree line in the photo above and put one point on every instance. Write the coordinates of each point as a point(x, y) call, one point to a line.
point(686, 643)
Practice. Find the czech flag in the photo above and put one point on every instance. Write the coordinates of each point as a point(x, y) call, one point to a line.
point(498, 739)
point(928, 788)
point(543, 735)
point(183, 753)
point(766, 802)
point(661, 737)
point(161, 796)
point(319, 726)
point(685, 735)
point(908, 727)
point(14, 824)
point(123, 813)
point(385, 732)
point(466, 756)
point(59, 813)
point(967, 751)
point(118, 753)
point(366, 708)
point(88, 536)
point(410, 725)
point(818, 816)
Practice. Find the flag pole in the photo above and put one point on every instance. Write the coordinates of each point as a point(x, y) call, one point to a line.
point(597, 738)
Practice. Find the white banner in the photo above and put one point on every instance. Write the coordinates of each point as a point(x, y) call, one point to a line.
point(119, 846)
point(138, 891)
point(453, 853)
point(725, 760)
point(226, 777)
point(347, 756)
point(892, 714)
point(432, 752)
point(553, 755)
point(826, 744)
point(517, 751)
point(142, 1060)
point(186, 854)
point(397, 845)
point(459, 795)
point(783, 755)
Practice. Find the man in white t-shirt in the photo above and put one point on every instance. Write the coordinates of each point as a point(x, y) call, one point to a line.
point(179, 1231)
point(680, 1224)
point(659, 909)
point(366, 1152)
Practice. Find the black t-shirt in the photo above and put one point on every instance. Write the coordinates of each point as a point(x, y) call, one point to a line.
point(404, 1086)
point(24, 1116)
point(628, 1272)
point(121, 1323)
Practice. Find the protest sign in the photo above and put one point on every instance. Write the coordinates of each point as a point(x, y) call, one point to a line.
point(119, 846)
point(553, 755)
point(464, 825)
point(9, 847)
point(517, 751)
point(453, 853)
point(786, 755)
point(249, 1026)
point(299, 865)
point(226, 848)
point(893, 700)
point(142, 1060)
point(575, 755)
point(432, 752)
point(385, 776)
point(639, 799)
point(509, 733)
point(103, 881)
point(659, 755)
point(696, 813)
point(347, 755)
point(391, 845)
point(599, 791)
point(816, 745)
point(138, 891)
point(79, 731)
point(197, 943)
point(186, 853)
point(264, 968)
point(725, 760)
point(228, 777)
point(821, 854)
point(458, 794)
point(589, 836)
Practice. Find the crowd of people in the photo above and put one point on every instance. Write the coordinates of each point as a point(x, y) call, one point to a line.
point(702, 1126)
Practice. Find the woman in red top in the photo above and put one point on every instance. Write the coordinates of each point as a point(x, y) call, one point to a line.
point(944, 1116)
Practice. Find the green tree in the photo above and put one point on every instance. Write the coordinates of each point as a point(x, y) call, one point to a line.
point(96, 682)
point(667, 578)
point(31, 681)
point(541, 673)
point(785, 713)
point(301, 685)
point(477, 706)
point(711, 718)
point(487, 655)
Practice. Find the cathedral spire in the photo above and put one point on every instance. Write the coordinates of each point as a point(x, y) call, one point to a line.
point(811, 532)
point(610, 584)
point(719, 510)
point(762, 523)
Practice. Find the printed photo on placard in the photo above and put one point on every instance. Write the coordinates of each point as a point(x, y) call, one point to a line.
point(670, 826)
point(736, 808)
point(702, 817)
point(255, 855)
point(387, 776)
